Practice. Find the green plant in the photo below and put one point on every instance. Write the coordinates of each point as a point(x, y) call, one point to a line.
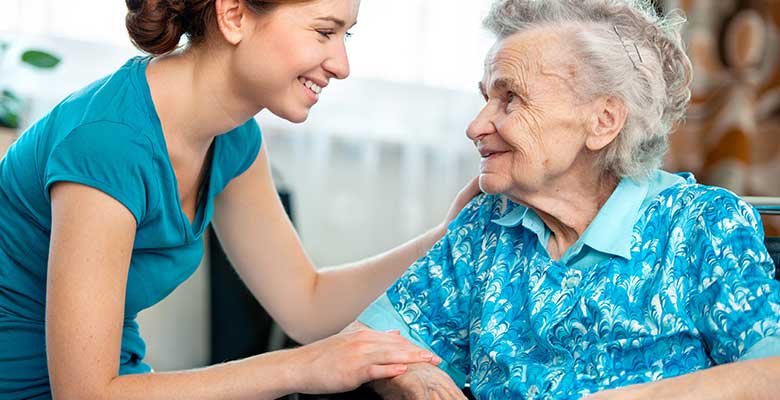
point(11, 105)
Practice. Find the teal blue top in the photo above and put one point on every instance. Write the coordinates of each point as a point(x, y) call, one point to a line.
point(623, 305)
point(107, 136)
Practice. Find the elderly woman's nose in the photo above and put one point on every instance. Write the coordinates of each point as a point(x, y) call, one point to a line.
point(480, 127)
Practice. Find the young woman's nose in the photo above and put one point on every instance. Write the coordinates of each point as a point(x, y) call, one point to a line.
point(337, 63)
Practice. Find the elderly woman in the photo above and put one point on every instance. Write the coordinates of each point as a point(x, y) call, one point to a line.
point(584, 269)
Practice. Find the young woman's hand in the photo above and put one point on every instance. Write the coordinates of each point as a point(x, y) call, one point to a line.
point(463, 197)
point(420, 382)
point(349, 359)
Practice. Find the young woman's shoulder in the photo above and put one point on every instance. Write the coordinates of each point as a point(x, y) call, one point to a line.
point(109, 156)
point(239, 148)
point(122, 96)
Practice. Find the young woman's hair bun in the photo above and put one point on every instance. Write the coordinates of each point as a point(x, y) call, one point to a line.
point(156, 26)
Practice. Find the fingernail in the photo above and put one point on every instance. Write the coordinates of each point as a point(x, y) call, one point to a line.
point(401, 368)
point(436, 360)
point(426, 355)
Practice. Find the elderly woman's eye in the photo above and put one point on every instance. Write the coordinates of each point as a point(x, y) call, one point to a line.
point(512, 99)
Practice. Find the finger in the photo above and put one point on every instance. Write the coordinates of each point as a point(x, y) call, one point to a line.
point(404, 344)
point(394, 356)
point(399, 344)
point(374, 372)
point(445, 389)
point(468, 192)
point(395, 339)
point(457, 393)
point(473, 187)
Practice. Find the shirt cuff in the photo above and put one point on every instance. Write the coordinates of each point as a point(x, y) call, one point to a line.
point(382, 316)
point(766, 347)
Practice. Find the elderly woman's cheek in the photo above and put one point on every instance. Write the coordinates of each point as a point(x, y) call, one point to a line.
point(528, 121)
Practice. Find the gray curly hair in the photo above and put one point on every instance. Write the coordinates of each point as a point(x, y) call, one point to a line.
point(652, 79)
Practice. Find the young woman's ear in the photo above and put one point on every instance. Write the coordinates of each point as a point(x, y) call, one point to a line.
point(230, 19)
point(606, 122)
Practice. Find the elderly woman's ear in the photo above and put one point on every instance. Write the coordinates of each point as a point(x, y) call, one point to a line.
point(605, 122)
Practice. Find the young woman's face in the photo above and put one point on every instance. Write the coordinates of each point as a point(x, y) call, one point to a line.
point(285, 63)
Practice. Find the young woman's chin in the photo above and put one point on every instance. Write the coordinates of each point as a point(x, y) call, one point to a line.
point(297, 119)
point(294, 116)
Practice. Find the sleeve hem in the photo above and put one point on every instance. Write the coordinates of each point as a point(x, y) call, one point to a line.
point(255, 151)
point(95, 184)
point(766, 347)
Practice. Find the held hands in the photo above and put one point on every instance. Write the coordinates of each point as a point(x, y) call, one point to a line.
point(422, 381)
point(345, 361)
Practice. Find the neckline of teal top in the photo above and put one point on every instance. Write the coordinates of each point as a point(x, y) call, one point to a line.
point(193, 229)
point(604, 237)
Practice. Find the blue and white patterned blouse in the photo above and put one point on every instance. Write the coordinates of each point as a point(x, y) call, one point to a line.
point(671, 277)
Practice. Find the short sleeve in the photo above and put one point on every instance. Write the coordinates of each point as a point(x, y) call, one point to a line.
point(734, 302)
point(253, 142)
point(241, 148)
point(435, 295)
point(107, 156)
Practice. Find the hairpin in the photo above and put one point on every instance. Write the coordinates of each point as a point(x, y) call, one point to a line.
point(623, 42)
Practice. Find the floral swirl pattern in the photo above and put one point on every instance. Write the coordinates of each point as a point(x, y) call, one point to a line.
point(696, 291)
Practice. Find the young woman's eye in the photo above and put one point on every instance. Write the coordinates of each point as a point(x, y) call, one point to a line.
point(347, 35)
point(326, 34)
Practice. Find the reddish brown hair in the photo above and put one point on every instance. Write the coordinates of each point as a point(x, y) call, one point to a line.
point(155, 26)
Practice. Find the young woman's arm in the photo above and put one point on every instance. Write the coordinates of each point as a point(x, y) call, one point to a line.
point(91, 242)
point(267, 253)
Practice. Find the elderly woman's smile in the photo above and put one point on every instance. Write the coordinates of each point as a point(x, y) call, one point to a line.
point(533, 131)
point(585, 268)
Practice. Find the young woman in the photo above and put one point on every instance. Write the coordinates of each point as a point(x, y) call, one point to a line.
point(104, 202)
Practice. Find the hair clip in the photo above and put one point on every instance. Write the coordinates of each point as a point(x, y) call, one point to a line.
point(623, 42)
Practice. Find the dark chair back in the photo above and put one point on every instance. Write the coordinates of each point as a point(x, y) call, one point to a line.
point(769, 206)
point(773, 245)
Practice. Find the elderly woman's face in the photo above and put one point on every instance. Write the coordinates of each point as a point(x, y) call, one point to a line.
point(531, 131)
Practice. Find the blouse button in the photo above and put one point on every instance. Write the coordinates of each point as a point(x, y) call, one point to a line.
point(571, 282)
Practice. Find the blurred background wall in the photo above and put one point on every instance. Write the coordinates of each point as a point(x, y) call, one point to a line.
point(732, 135)
point(384, 152)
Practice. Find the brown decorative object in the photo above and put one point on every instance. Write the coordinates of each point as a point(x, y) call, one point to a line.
point(732, 134)
point(7, 138)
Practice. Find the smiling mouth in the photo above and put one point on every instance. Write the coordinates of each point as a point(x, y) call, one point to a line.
point(488, 154)
point(317, 89)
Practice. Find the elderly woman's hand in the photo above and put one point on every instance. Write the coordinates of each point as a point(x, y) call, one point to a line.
point(421, 381)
